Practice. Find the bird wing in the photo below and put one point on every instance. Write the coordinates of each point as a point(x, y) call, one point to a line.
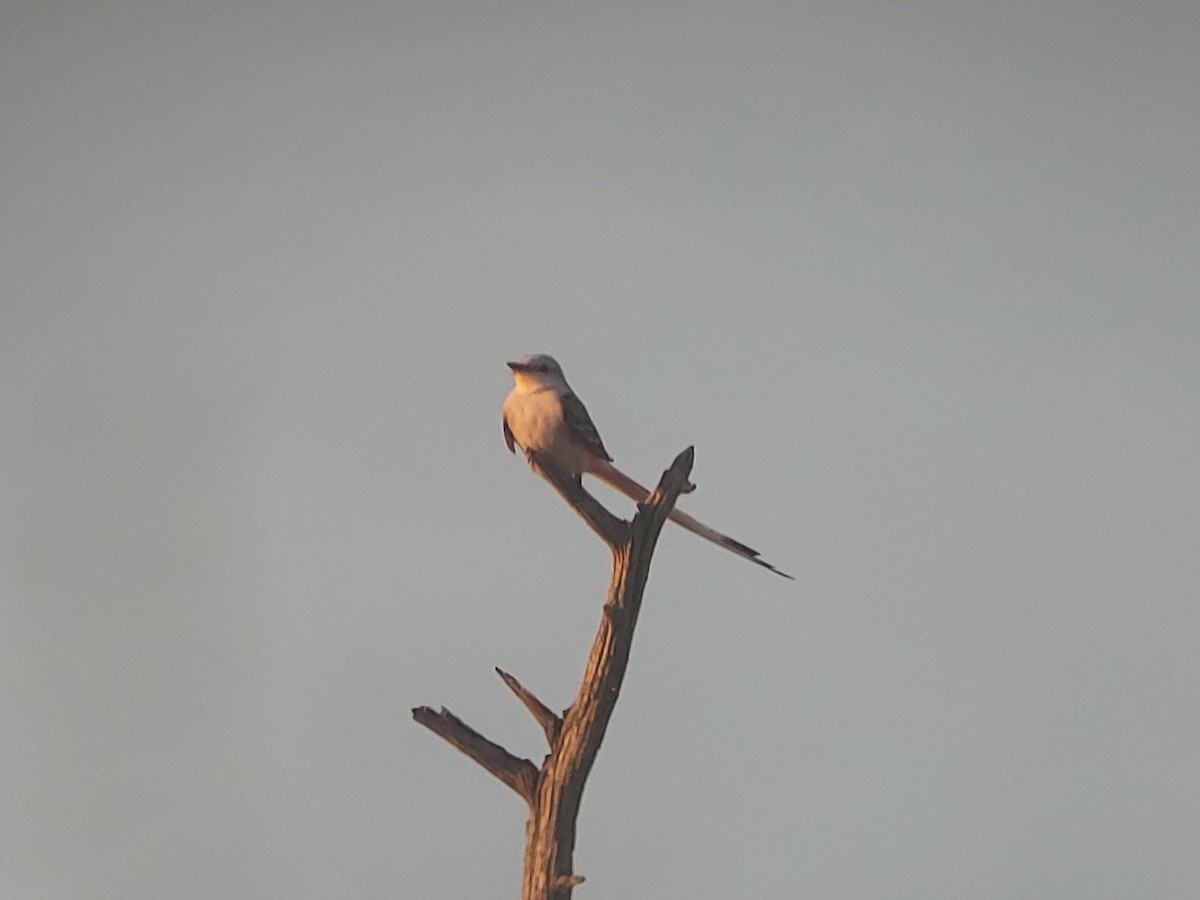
point(576, 418)
point(508, 436)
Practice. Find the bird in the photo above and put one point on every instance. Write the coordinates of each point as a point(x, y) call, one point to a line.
point(544, 417)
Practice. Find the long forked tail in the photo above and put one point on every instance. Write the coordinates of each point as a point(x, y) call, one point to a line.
point(611, 475)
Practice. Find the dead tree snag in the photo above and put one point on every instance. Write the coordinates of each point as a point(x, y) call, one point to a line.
point(553, 792)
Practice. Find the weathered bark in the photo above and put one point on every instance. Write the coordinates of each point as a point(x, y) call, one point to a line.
point(555, 791)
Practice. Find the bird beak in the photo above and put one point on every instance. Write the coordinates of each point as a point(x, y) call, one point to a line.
point(517, 366)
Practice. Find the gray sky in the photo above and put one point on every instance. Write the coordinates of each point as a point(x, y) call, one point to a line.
point(919, 281)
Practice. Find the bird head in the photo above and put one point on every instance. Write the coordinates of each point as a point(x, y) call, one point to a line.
point(537, 371)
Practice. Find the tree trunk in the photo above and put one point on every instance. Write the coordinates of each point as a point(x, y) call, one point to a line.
point(555, 791)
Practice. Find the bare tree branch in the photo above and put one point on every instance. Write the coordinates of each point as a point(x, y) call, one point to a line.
point(554, 792)
point(550, 721)
point(612, 530)
point(519, 774)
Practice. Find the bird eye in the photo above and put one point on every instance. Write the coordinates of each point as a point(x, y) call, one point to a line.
point(543, 368)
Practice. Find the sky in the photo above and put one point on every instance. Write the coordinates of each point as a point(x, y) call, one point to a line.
point(917, 280)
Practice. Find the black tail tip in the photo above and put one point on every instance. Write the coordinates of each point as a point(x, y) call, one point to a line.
point(753, 555)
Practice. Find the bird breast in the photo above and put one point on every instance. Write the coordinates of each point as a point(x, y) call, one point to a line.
point(536, 421)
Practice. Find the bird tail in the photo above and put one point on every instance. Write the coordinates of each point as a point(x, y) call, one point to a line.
point(614, 477)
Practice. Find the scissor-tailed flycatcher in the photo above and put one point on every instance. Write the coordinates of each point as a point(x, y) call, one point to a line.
point(543, 416)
